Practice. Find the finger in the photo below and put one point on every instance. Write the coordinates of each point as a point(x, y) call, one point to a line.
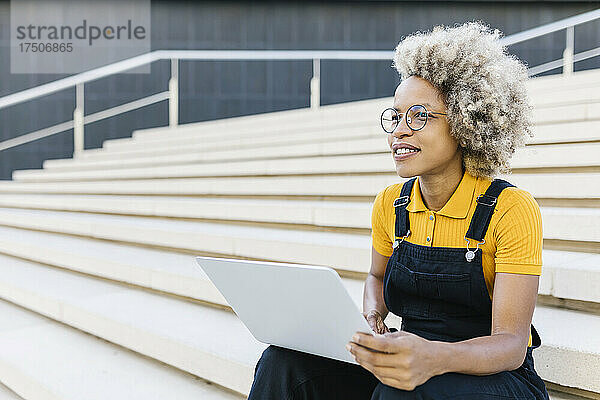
point(377, 325)
point(389, 341)
point(372, 324)
point(370, 359)
point(397, 383)
point(386, 375)
point(375, 351)
point(389, 375)
point(381, 343)
point(384, 327)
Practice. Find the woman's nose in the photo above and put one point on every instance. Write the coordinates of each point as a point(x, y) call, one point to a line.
point(402, 129)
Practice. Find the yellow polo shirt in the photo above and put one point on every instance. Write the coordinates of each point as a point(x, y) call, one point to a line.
point(513, 241)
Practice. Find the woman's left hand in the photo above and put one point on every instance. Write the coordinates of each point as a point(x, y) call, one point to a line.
point(398, 359)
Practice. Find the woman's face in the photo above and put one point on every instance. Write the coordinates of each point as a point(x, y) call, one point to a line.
point(438, 150)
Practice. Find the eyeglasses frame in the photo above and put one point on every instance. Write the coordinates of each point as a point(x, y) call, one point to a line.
point(427, 113)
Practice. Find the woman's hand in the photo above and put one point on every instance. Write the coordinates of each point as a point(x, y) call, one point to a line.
point(398, 359)
point(375, 321)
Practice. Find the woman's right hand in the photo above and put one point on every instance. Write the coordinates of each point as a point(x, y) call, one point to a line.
point(375, 321)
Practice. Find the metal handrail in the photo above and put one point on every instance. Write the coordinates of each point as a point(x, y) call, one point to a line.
point(148, 58)
point(79, 80)
point(551, 27)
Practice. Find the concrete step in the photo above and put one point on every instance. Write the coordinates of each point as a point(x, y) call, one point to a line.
point(548, 121)
point(262, 140)
point(63, 240)
point(207, 342)
point(543, 91)
point(213, 343)
point(554, 395)
point(43, 359)
point(347, 114)
point(566, 96)
point(558, 185)
point(568, 109)
point(353, 251)
point(560, 338)
point(558, 82)
point(560, 223)
point(547, 156)
point(355, 140)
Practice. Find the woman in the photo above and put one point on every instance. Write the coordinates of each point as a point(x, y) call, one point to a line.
point(456, 253)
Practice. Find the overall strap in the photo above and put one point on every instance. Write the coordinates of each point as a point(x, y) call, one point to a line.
point(485, 208)
point(402, 221)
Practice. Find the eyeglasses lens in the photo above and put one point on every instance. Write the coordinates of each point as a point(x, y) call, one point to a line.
point(416, 118)
point(389, 120)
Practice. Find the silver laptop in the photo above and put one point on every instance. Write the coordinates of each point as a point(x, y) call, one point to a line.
point(301, 307)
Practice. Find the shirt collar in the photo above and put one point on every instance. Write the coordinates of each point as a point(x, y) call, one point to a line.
point(456, 207)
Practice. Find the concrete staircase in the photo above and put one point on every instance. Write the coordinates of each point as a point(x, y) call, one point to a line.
point(102, 297)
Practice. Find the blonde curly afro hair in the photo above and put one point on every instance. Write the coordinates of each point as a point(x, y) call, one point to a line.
point(483, 88)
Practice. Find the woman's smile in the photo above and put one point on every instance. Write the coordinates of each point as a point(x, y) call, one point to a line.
point(403, 154)
point(402, 150)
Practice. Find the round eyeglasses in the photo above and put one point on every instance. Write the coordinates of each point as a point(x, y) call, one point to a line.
point(416, 118)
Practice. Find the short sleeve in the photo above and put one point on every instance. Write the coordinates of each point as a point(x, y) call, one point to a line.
point(519, 236)
point(380, 237)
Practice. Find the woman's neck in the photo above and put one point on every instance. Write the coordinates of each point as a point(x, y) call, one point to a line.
point(437, 189)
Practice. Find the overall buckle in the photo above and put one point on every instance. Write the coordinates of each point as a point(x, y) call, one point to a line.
point(491, 200)
point(401, 201)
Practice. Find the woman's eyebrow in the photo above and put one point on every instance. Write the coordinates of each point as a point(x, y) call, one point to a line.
point(423, 104)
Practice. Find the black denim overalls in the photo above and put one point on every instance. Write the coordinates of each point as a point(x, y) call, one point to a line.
point(440, 293)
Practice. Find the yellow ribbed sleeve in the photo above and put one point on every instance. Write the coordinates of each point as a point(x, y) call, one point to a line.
point(518, 234)
point(381, 240)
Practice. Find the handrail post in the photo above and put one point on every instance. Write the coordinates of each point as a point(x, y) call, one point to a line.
point(174, 94)
point(315, 85)
point(568, 53)
point(78, 121)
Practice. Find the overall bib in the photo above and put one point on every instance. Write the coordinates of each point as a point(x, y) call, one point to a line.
point(440, 293)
